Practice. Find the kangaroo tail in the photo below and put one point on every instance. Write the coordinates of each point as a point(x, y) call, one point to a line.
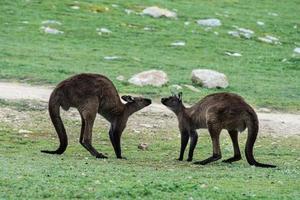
point(252, 125)
point(53, 108)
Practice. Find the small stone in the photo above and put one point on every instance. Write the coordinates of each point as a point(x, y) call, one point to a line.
point(47, 22)
point(178, 44)
point(75, 7)
point(103, 30)
point(128, 11)
point(241, 32)
point(203, 185)
point(233, 54)
point(156, 78)
point(269, 39)
point(112, 58)
point(176, 87)
point(187, 23)
point(260, 23)
point(120, 78)
point(272, 14)
point(157, 12)
point(192, 88)
point(49, 30)
point(143, 146)
point(209, 22)
point(209, 78)
point(23, 131)
point(297, 50)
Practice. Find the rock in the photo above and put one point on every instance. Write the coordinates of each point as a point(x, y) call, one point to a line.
point(103, 30)
point(209, 22)
point(23, 131)
point(273, 14)
point(233, 54)
point(178, 44)
point(75, 7)
point(128, 11)
point(120, 78)
point(187, 23)
point(241, 32)
point(157, 12)
point(269, 39)
point(209, 78)
point(112, 58)
point(176, 87)
point(47, 22)
point(49, 30)
point(152, 77)
point(143, 146)
point(260, 23)
point(192, 88)
point(297, 50)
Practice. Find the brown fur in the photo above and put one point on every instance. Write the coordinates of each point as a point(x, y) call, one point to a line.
point(92, 94)
point(216, 112)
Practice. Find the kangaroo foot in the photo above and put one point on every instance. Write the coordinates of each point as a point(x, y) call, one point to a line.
point(232, 159)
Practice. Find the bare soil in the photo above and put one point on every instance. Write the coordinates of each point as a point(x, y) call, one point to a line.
point(153, 118)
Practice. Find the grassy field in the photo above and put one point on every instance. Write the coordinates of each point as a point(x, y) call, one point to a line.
point(266, 75)
point(152, 174)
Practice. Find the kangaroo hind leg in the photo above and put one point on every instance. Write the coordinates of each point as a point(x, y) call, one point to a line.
point(88, 114)
point(237, 154)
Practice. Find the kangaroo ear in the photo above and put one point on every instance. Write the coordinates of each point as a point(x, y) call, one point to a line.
point(179, 96)
point(128, 98)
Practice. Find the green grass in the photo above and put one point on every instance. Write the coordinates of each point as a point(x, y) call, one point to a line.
point(153, 174)
point(259, 75)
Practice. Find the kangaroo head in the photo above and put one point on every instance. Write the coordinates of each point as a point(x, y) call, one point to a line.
point(135, 103)
point(173, 102)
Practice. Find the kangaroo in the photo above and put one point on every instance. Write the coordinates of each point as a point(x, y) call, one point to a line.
point(216, 112)
point(92, 94)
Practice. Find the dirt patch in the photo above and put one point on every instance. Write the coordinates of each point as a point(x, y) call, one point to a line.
point(152, 118)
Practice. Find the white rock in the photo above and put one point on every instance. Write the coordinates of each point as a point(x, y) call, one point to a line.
point(120, 78)
point(187, 23)
point(47, 22)
point(151, 77)
point(103, 30)
point(112, 57)
point(233, 54)
point(50, 30)
point(157, 12)
point(23, 131)
point(75, 7)
point(192, 88)
point(260, 23)
point(241, 32)
point(273, 14)
point(269, 39)
point(175, 87)
point(297, 50)
point(178, 43)
point(147, 29)
point(209, 78)
point(209, 22)
point(128, 11)
point(143, 146)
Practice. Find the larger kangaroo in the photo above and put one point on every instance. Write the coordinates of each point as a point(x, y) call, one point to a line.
point(216, 112)
point(92, 94)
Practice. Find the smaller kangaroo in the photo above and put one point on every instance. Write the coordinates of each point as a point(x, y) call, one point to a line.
point(92, 94)
point(216, 112)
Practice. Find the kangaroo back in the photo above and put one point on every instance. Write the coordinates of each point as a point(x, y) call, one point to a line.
point(54, 112)
point(252, 125)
